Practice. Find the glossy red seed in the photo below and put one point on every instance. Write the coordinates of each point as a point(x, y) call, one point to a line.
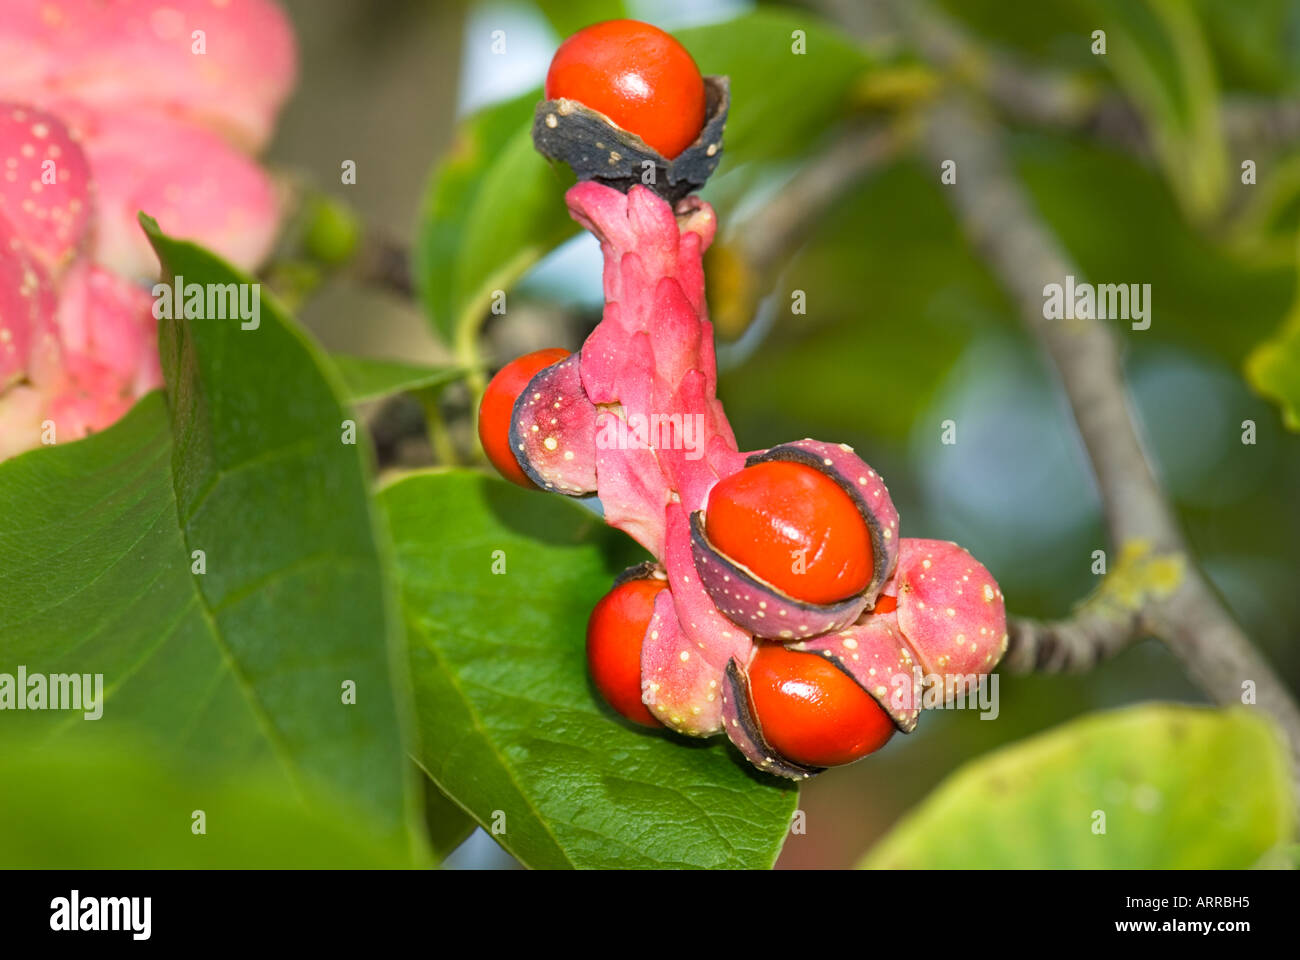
point(811, 712)
point(497, 407)
point(614, 635)
point(793, 527)
point(638, 76)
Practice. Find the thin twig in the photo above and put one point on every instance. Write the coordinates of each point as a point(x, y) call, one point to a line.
point(1025, 256)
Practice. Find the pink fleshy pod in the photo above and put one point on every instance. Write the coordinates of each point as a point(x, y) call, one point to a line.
point(687, 648)
point(109, 340)
point(194, 184)
point(767, 611)
point(677, 685)
point(44, 184)
point(650, 363)
point(31, 361)
point(110, 319)
point(26, 306)
point(633, 492)
point(874, 653)
point(740, 721)
point(553, 430)
point(91, 397)
point(226, 65)
point(950, 610)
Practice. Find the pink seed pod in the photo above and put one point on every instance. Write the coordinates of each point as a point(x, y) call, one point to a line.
point(44, 185)
point(743, 730)
point(950, 609)
point(194, 184)
point(553, 430)
point(110, 351)
point(767, 611)
point(30, 358)
point(661, 434)
point(227, 66)
point(26, 306)
point(874, 653)
point(652, 354)
point(106, 317)
point(688, 644)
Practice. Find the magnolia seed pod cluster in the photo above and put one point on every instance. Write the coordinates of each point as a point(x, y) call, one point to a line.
point(783, 607)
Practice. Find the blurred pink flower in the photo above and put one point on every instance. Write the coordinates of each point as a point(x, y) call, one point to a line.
point(109, 107)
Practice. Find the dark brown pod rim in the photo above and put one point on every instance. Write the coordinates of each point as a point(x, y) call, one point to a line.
point(597, 149)
point(743, 730)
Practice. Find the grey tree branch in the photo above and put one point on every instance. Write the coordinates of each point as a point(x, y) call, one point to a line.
point(1075, 645)
point(1180, 608)
point(1054, 99)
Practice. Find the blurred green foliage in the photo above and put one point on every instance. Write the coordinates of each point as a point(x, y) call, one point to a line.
point(1154, 787)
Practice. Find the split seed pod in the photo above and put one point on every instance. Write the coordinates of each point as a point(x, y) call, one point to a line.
point(597, 149)
point(767, 611)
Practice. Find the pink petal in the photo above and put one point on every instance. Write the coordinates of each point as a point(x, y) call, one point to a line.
point(110, 320)
point(27, 347)
point(189, 180)
point(141, 54)
point(44, 184)
point(685, 653)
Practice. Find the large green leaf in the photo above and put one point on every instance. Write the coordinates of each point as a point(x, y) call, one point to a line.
point(448, 826)
point(111, 805)
point(493, 207)
point(511, 727)
point(1179, 787)
point(238, 655)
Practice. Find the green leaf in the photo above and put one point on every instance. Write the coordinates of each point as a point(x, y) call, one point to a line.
point(1264, 229)
point(112, 805)
point(368, 378)
point(781, 101)
point(510, 726)
point(447, 824)
point(1273, 368)
point(217, 559)
point(570, 16)
point(1180, 787)
point(493, 207)
point(1159, 53)
point(1255, 43)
